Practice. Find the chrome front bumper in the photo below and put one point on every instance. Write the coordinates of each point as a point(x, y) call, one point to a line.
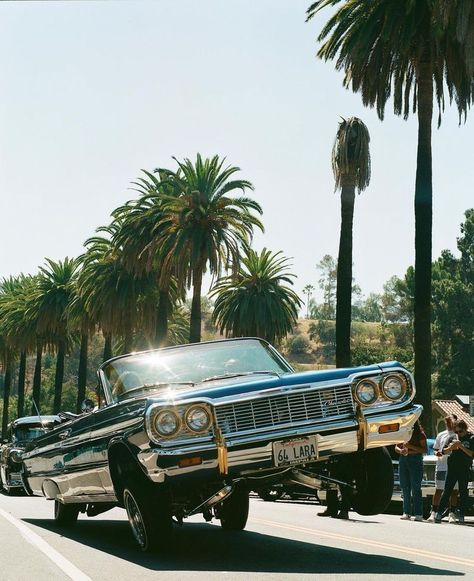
point(252, 455)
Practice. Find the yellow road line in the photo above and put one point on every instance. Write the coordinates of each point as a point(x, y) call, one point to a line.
point(369, 542)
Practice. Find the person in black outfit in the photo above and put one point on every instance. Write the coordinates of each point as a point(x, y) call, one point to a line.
point(459, 465)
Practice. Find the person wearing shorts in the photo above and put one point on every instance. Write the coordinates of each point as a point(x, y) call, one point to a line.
point(441, 470)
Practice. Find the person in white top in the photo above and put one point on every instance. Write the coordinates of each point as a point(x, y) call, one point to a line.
point(442, 440)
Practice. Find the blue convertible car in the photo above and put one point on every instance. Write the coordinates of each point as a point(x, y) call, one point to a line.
point(192, 429)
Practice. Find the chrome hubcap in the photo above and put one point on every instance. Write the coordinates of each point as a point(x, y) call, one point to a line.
point(135, 519)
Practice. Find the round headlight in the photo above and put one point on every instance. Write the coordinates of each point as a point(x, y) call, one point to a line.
point(394, 387)
point(366, 391)
point(198, 419)
point(167, 423)
point(16, 455)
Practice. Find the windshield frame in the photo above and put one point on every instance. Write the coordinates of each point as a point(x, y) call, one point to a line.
point(109, 397)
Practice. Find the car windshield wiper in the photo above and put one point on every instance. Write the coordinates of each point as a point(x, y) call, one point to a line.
point(241, 374)
point(157, 385)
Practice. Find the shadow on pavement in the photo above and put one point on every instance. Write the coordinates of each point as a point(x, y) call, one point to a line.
point(201, 547)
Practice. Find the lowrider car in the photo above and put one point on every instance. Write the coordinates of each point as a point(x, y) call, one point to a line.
point(192, 429)
point(19, 433)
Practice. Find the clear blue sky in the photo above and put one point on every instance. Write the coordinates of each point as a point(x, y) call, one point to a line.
point(91, 92)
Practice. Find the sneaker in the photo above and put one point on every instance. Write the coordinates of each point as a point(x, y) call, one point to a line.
point(419, 518)
point(437, 518)
point(405, 517)
point(452, 518)
point(431, 518)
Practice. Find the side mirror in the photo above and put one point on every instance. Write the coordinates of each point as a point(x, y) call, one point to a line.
point(87, 406)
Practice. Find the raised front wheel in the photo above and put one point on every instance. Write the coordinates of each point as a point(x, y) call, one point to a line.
point(374, 481)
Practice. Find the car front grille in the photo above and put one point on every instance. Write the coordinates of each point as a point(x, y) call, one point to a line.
point(278, 411)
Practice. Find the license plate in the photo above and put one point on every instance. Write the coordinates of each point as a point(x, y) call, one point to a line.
point(295, 451)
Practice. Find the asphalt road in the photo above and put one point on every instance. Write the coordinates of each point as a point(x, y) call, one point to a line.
point(283, 540)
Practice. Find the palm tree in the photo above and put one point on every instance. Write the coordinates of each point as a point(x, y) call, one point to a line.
point(137, 221)
point(257, 300)
point(54, 294)
point(351, 167)
point(6, 356)
point(18, 329)
point(203, 227)
point(81, 321)
point(308, 291)
point(412, 48)
point(120, 301)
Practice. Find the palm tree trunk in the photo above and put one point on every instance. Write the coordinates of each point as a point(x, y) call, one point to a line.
point(127, 339)
point(82, 371)
point(344, 278)
point(59, 375)
point(423, 241)
point(195, 326)
point(21, 385)
point(107, 347)
point(36, 404)
point(6, 395)
point(161, 335)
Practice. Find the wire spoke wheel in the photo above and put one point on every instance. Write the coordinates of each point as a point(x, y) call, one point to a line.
point(135, 519)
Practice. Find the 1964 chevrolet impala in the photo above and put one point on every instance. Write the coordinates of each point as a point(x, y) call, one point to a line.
point(192, 429)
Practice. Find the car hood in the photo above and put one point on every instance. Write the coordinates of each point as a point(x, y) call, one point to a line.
point(244, 385)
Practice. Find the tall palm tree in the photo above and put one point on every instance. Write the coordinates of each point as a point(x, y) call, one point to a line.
point(19, 331)
point(137, 221)
point(257, 300)
point(120, 301)
point(351, 167)
point(413, 49)
point(203, 227)
point(80, 320)
point(308, 291)
point(54, 294)
point(6, 356)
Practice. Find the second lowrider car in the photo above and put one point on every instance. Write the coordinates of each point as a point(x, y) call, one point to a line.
point(192, 429)
point(19, 433)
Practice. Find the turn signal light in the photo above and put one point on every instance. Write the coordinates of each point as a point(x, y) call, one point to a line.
point(194, 461)
point(387, 428)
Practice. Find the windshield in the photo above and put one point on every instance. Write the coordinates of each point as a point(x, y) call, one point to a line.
point(23, 433)
point(191, 364)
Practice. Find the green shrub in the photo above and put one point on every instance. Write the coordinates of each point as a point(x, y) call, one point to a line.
point(298, 344)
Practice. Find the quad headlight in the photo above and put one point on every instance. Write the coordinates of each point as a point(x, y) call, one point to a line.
point(394, 386)
point(167, 423)
point(198, 419)
point(179, 421)
point(366, 391)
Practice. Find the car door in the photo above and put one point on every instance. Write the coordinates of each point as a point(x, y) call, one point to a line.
point(80, 476)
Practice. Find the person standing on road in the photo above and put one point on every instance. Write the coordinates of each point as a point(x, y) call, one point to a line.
point(442, 440)
point(459, 466)
point(410, 469)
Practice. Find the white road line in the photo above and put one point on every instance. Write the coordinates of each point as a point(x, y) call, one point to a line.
point(34, 539)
